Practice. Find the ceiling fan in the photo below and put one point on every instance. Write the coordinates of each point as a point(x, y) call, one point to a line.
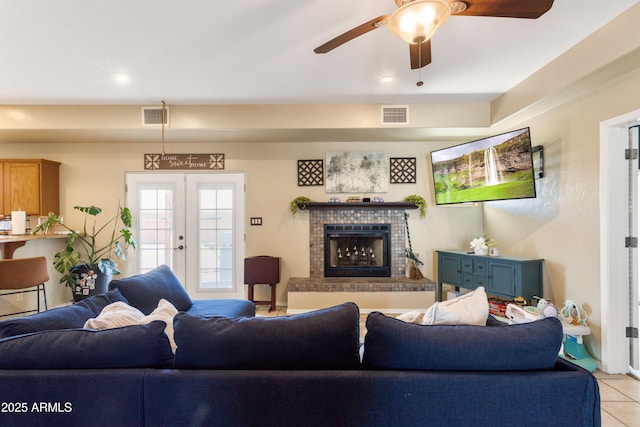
point(415, 21)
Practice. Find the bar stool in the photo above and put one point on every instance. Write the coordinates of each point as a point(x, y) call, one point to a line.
point(20, 274)
point(262, 270)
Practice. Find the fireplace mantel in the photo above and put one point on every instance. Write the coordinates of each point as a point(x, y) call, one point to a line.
point(359, 205)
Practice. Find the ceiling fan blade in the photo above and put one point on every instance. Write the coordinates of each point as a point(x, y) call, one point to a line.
point(352, 34)
point(507, 8)
point(420, 54)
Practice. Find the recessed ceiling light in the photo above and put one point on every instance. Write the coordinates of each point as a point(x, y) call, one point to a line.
point(386, 79)
point(121, 77)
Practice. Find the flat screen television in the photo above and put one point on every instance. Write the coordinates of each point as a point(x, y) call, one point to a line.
point(499, 167)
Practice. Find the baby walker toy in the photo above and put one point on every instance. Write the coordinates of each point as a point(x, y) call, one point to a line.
point(574, 326)
point(573, 318)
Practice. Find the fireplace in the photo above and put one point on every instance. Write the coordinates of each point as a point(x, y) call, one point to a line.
point(357, 250)
point(390, 215)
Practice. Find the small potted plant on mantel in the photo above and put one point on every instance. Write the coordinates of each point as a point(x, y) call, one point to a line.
point(420, 203)
point(87, 262)
point(300, 202)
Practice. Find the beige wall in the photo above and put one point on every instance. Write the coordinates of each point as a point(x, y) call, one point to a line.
point(95, 173)
point(562, 224)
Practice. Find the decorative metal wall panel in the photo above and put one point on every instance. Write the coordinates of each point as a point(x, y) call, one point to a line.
point(403, 170)
point(310, 173)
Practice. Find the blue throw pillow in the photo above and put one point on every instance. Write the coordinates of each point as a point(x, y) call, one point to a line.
point(222, 308)
point(68, 317)
point(322, 339)
point(393, 344)
point(128, 347)
point(144, 291)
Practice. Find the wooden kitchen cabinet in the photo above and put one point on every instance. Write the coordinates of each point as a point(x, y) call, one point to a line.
point(31, 185)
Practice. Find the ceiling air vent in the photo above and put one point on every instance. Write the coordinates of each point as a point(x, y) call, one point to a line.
point(152, 116)
point(395, 115)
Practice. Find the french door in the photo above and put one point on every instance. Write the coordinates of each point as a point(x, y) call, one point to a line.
point(192, 222)
point(631, 245)
point(634, 282)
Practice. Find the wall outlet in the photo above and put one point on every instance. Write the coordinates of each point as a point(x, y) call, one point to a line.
point(18, 297)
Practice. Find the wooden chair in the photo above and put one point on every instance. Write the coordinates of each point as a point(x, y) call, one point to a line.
point(19, 274)
point(262, 270)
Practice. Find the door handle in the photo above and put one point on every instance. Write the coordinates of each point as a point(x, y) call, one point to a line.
point(181, 247)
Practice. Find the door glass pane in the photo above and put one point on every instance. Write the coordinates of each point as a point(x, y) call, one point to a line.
point(216, 238)
point(155, 242)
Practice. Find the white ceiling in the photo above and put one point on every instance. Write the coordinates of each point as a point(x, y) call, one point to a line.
point(261, 51)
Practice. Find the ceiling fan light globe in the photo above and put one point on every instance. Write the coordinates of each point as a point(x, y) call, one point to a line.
point(408, 22)
point(417, 21)
point(426, 16)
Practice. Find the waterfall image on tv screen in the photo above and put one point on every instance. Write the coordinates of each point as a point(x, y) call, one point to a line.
point(494, 168)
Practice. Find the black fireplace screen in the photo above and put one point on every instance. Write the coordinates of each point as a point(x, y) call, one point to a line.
point(356, 250)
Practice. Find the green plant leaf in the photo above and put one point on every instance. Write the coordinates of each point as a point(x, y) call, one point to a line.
point(125, 217)
point(91, 210)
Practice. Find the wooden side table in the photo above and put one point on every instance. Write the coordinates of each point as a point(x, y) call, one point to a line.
point(262, 270)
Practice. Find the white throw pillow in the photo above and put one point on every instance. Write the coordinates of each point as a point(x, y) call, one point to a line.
point(115, 315)
point(409, 316)
point(469, 309)
point(119, 314)
point(165, 311)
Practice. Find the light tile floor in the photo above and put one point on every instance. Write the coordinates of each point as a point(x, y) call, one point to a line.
point(619, 400)
point(619, 394)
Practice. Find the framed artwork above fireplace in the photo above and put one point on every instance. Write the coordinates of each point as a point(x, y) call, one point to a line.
point(357, 172)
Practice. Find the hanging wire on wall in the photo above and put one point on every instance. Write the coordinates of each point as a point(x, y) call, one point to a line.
point(164, 109)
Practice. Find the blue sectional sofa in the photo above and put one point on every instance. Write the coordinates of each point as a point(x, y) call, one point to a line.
point(308, 369)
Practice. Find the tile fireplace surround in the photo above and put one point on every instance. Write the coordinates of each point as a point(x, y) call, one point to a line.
point(342, 213)
point(395, 294)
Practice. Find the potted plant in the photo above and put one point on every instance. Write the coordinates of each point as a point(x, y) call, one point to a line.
point(300, 202)
point(420, 203)
point(88, 260)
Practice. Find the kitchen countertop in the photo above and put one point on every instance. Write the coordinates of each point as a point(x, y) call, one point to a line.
point(6, 238)
point(14, 241)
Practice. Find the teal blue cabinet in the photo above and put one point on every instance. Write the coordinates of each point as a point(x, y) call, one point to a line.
point(505, 277)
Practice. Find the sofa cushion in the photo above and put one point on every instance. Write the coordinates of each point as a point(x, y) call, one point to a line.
point(322, 339)
point(393, 344)
point(128, 347)
point(67, 317)
point(145, 290)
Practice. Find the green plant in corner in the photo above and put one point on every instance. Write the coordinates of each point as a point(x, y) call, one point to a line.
point(420, 202)
point(86, 248)
point(299, 202)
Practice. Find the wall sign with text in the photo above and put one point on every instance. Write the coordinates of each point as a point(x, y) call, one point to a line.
point(184, 161)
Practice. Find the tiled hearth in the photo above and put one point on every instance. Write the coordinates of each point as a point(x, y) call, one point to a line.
point(359, 284)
